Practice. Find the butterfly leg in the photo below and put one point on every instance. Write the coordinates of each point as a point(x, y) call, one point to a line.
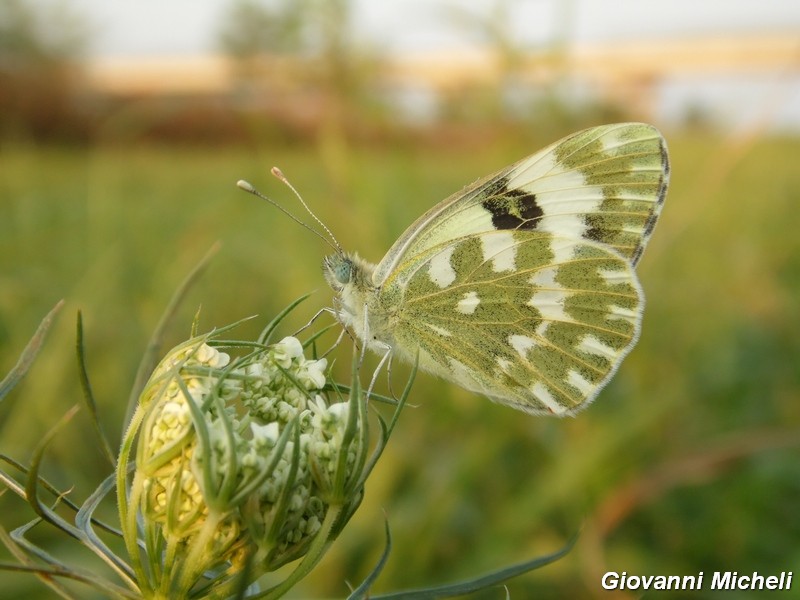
point(386, 357)
point(311, 322)
point(365, 339)
point(314, 318)
point(336, 343)
point(389, 377)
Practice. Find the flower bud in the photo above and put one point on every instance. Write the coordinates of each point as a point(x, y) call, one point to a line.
point(241, 457)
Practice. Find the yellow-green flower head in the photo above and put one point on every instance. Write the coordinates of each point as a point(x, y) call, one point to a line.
point(242, 454)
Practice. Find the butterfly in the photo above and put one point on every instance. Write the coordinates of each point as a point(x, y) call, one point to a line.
point(520, 287)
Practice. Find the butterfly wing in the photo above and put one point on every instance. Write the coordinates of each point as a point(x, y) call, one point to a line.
point(605, 184)
point(530, 319)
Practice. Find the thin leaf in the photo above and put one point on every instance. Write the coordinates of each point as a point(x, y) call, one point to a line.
point(266, 333)
point(479, 583)
point(373, 396)
point(195, 323)
point(88, 396)
point(18, 489)
point(32, 483)
point(19, 554)
point(84, 521)
point(56, 567)
point(404, 396)
point(318, 334)
point(29, 353)
point(11, 483)
point(150, 357)
point(48, 573)
point(362, 591)
point(49, 515)
point(386, 430)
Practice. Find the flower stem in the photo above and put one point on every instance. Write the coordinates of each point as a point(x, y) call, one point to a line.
point(127, 518)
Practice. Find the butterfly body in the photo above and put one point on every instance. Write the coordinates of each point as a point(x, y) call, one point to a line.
point(522, 286)
point(357, 302)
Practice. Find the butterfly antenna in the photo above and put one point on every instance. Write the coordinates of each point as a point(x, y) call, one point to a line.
point(279, 174)
point(249, 188)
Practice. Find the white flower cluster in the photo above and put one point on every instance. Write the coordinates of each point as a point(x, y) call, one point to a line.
point(172, 493)
point(255, 476)
point(171, 418)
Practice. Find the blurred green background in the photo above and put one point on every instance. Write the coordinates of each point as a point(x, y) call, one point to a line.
point(687, 462)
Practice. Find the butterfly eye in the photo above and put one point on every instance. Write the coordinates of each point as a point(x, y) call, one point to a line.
point(338, 270)
point(343, 271)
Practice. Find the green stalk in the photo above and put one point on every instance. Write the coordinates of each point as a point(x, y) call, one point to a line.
point(127, 518)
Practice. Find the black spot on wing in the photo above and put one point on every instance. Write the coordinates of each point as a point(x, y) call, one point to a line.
point(662, 190)
point(595, 233)
point(530, 210)
point(665, 160)
point(511, 208)
point(650, 224)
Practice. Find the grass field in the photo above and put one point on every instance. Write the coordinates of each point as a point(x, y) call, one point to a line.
point(687, 462)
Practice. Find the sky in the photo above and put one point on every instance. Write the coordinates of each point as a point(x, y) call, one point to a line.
point(190, 27)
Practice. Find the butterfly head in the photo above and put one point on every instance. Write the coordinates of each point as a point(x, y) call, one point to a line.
point(342, 270)
point(351, 279)
point(338, 270)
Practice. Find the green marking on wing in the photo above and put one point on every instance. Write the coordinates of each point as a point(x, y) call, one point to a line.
point(629, 164)
point(544, 337)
